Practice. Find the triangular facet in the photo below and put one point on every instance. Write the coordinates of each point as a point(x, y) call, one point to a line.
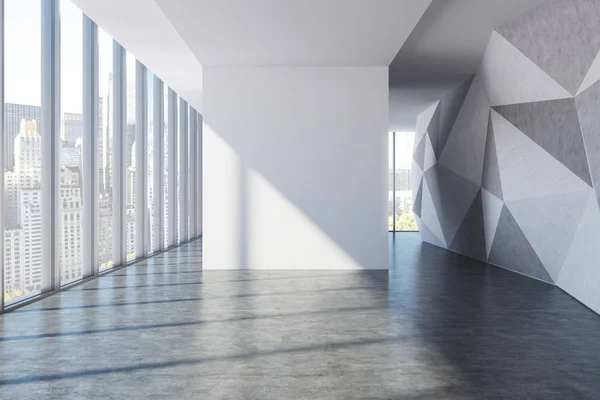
point(593, 75)
point(527, 170)
point(424, 120)
point(429, 214)
point(416, 176)
point(549, 224)
point(429, 160)
point(470, 238)
point(419, 154)
point(561, 37)
point(428, 236)
point(450, 106)
point(588, 109)
point(452, 196)
point(512, 250)
point(492, 207)
point(418, 201)
point(465, 149)
point(580, 272)
point(554, 126)
point(509, 77)
point(491, 171)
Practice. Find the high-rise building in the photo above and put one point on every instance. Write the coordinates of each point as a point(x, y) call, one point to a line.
point(72, 127)
point(100, 142)
point(107, 139)
point(23, 260)
point(13, 115)
point(71, 229)
point(70, 155)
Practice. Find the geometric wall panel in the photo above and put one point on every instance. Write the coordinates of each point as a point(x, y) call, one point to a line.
point(423, 122)
point(592, 76)
point(512, 156)
point(429, 214)
point(427, 235)
point(418, 201)
point(511, 248)
point(509, 77)
point(449, 108)
point(549, 224)
point(588, 109)
point(429, 160)
point(554, 126)
point(465, 149)
point(416, 175)
point(491, 171)
point(470, 238)
point(452, 197)
point(561, 37)
point(580, 273)
point(526, 169)
point(419, 154)
point(492, 208)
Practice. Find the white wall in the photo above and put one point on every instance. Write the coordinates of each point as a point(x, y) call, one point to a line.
point(295, 168)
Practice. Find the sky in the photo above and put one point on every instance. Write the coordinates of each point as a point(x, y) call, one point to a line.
point(404, 149)
point(23, 57)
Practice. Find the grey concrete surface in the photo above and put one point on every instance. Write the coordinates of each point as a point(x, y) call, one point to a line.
point(438, 325)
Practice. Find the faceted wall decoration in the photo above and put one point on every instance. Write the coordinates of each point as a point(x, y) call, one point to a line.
point(510, 159)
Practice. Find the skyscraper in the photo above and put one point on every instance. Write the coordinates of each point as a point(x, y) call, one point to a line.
point(72, 127)
point(13, 115)
point(23, 260)
point(101, 144)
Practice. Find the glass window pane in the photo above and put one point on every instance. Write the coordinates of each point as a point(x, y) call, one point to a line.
point(189, 174)
point(178, 180)
point(105, 147)
point(130, 194)
point(166, 166)
point(71, 107)
point(405, 219)
point(22, 166)
point(150, 150)
point(391, 181)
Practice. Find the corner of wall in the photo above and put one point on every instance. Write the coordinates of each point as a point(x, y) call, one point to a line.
point(508, 165)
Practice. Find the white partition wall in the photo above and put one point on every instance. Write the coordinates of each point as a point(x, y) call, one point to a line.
point(295, 163)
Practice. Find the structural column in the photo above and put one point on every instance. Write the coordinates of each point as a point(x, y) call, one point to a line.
point(172, 175)
point(183, 170)
point(158, 165)
point(141, 157)
point(50, 143)
point(89, 171)
point(118, 174)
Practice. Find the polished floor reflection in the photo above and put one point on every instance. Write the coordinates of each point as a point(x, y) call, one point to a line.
point(438, 326)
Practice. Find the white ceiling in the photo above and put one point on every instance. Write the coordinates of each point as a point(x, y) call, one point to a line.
point(444, 49)
point(176, 38)
point(141, 27)
point(441, 43)
point(294, 32)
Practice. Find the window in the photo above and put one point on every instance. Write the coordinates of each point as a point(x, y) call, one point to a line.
point(400, 200)
point(130, 161)
point(166, 164)
point(391, 168)
point(179, 235)
point(84, 133)
point(150, 174)
point(189, 167)
point(71, 136)
point(23, 157)
point(105, 149)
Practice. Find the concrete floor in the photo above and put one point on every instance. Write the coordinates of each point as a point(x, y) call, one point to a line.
point(439, 326)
